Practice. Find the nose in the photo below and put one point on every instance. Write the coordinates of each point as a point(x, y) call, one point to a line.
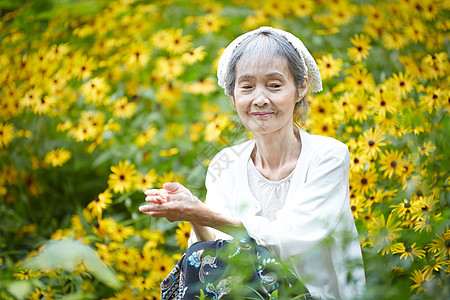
point(260, 97)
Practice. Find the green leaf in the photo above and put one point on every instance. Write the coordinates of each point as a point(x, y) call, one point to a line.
point(68, 254)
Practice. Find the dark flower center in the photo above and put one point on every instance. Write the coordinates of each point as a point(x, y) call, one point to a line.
point(122, 177)
point(393, 164)
point(371, 143)
point(408, 249)
point(364, 181)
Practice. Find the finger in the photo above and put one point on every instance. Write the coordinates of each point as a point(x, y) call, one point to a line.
point(155, 199)
point(151, 208)
point(153, 192)
point(173, 187)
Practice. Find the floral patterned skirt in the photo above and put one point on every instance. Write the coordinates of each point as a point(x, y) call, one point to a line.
point(230, 270)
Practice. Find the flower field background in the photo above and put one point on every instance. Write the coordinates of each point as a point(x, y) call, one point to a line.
point(100, 100)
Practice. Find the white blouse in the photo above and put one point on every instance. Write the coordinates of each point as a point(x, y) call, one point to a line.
point(314, 231)
point(270, 194)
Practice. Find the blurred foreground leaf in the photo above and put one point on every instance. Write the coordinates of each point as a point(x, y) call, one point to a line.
point(68, 255)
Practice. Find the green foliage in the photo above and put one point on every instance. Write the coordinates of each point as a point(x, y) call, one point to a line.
point(102, 99)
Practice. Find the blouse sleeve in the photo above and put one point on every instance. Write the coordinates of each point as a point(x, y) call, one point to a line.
point(215, 195)
point(311, 215)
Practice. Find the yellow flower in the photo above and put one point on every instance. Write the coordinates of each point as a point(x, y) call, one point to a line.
point(195, 131)
point(419, 279)
point(146, 181)
point(83, 66)
point(143, 284)
point(170, 152)
point(329, 67)
point(384, 100)
point(276, 8)
point(203, 86)
point(182, 234)
point(147, 136)
point(100, 203)
point(123, 109)
point(137, 56)
point(26, 274)
point(360, 107)
point(371, 141)
point(361, 49)
point(360, 79)
point(390, 162)
point(175, 42)
point(193, 55)
point(163, 266)
point(303, 8)
point(210, 23)
point(383, 232)
point(169, 68)
point(6, 134)
point(57, 157)
point(38, 294)
point(427, 148)
point(403, 83)
point(123, 177)
point(409, 251)
point(365, 182)
point(95, 90)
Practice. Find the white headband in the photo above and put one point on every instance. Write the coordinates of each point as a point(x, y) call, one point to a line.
point(308, 62)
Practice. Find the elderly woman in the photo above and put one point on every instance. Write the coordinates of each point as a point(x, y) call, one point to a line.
point(286, 190)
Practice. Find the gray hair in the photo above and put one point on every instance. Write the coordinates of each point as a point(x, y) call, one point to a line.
point(260, 48)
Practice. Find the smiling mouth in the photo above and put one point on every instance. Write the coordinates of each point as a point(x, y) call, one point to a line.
point(262, 114)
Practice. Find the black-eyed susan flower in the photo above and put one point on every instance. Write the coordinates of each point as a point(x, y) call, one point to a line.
point(163, 266)
point(38, 294)
point(409, 251)
point(210, 23)
point(384, 100)
point(169, 68)
point(194, 55)
point(175, 42)
point(123, 109)
point(419, 279)
point(123, 177)
point(26, 274)
point(303, 8)
point(182, 234)
point(394, 41)
point(95, 90)
point(357, 206)
point(359, 107)
point(202, 87)
point(364, 182)
point(138, 55)
point(403, 83)
point(371, 141)
point(6, 134)
point(383, 232)
point(433, 266)
point(361, 48)
point(426, 148)
point(360, 79)
point(433, 99)
point(146, 181)
point(100, 203)
point(329, 67)
point(57, 157)
point(405, 208)
point(143, 284)
point(390, 162)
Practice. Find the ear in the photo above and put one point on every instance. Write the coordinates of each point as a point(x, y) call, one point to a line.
point(302, 88)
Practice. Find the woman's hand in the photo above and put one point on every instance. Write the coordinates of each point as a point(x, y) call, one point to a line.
point(173, 202)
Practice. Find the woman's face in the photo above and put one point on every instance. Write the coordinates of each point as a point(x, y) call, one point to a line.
point(265, 95)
